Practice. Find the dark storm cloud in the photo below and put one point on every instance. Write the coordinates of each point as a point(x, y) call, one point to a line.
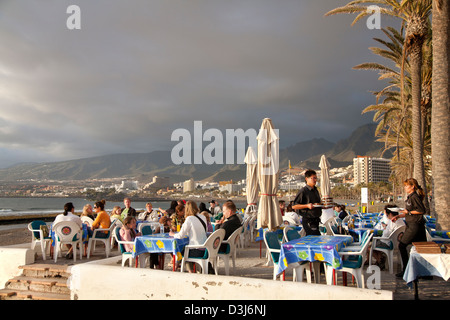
point(137, 70)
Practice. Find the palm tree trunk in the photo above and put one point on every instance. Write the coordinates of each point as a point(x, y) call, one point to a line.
point(440, 128)
point(416, 112)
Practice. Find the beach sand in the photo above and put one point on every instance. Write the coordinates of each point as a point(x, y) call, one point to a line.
point(14, 235)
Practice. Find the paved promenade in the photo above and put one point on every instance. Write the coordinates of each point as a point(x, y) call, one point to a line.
point(249, 264)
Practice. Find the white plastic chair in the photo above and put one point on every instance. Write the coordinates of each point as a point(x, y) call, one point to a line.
point(37, 236)
point(106, 240)
point(231, 242)
point(274, 248)
point(354, 267)
point(126, 256)
point(86, 220)
point(252, 225)
point(388, 251)
point(289, 234)
point(245, 232)
point(67, 232)
point(212, 245)
point(331, 225)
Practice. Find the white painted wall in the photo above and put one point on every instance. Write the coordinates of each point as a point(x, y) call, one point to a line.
point(10, 260)
point(94, 281)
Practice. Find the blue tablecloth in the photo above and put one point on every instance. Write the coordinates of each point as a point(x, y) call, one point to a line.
point(161, 242)
point(313, 248)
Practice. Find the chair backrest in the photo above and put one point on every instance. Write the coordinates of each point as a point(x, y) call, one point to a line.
point(363, 251)
point(251, 223)
point(87, 220)
point(245, 224)
point(366, 244)
point(152, 225)
point(346, 219)
point(290, 233)
point(119, 239)
point(36, 225)
point(394, 236)
point(146, 230)
point(331, 226)
point(213, 242)
point(66, 231)
point(233, 239)
point(272, 243)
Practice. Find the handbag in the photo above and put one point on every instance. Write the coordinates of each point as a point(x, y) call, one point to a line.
point(44, 229)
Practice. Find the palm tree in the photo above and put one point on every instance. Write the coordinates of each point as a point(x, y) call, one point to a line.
point(394, 123)
point(415, 14)
point(440, 130)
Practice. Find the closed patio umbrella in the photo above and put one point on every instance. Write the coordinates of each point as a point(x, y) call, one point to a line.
point(269, 213)
point(325, 189)
point(325, 186)
point(252, 181)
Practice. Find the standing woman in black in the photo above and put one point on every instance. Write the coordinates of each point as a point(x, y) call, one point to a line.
point(415, 223)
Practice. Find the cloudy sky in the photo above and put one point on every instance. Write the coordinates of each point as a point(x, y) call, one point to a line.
point(138, 70)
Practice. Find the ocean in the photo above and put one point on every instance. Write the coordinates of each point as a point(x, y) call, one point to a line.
point(14, 207)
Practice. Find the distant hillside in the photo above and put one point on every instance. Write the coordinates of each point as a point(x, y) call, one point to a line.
point(143, 166)
point(362, 142)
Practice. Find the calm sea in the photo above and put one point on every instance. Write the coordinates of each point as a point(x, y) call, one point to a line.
point(12, 207)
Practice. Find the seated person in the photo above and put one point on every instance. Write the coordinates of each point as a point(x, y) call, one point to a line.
point(340, 211)
point(230, 222)
point(195, 228)
point(149, 214)
point(102, 221)
point(116, 213)
point(178, 218)
point(292, 214)
point(208, 221)
point(128, 232)
point(166, 222)
point(68, 215)
point(390, 227)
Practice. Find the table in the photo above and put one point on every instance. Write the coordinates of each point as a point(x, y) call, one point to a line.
point(422, 265)
point(313, 248)
point(160, 243)
point(260, 235)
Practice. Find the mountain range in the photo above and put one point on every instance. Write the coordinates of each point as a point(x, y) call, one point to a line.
point(143, 166)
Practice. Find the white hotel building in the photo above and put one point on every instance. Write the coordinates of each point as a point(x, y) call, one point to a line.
point(367, 169)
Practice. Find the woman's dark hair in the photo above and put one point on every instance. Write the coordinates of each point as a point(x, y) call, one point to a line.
point(173, 204)
point(100, 204)
point(417, 188)
point(202, 207)
point(68, 208)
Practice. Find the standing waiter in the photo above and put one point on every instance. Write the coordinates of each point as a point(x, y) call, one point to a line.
point(415, 223)
point(305, 200)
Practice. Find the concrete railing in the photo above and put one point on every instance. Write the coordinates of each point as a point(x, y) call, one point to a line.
point(101, 281)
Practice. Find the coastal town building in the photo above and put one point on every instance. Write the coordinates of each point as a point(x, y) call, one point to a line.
point(188, 185)
point(368, 169)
